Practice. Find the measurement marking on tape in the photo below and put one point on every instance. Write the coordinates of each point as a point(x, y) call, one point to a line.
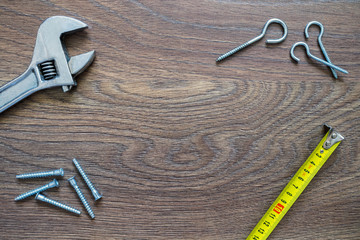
point(296, 186)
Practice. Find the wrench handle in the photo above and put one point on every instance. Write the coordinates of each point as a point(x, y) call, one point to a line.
point(18, 89)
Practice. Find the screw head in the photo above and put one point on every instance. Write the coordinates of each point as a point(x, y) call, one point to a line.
point(54, 183)
point(39, 196)
point(96, 194)
point(59, 172)
point(333, 136)
point(72, 181)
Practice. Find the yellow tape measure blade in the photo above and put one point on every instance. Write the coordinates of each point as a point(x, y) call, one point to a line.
point(296, 186)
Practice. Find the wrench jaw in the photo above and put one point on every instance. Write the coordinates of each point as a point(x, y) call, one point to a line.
point(78, 64)
point(60, 25)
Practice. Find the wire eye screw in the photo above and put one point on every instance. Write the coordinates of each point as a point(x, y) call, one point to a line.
point(321, 45)
point(313, 57)
point(269, 41)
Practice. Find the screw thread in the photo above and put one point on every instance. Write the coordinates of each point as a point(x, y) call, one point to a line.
point(93, 190)
point(83, 174)
point(231, 52)
point(58, 172)
point(84, 201)
point(34, 175)
point(58, 204)
point(36, 190)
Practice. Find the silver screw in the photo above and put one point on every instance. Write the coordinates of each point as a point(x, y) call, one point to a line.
point(327, 143)
point(274, 20)
point(54, 173)
point(53, 183)
point(321, 45)
point(73, 183)
point(308, 53)
point(42, 198)
point(95, 192)
point(333, 136)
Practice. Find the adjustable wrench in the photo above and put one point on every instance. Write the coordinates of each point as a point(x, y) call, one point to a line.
point(51, 65)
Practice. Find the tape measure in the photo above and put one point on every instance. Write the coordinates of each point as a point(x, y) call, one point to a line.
point(296, 185)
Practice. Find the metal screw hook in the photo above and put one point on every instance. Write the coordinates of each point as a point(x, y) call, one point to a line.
point(320, 42)
point(313, 57)
point(270, 41)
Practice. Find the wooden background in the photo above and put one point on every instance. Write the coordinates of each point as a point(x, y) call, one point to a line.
point(181, 147)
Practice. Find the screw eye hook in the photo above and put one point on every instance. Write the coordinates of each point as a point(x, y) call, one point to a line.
point(317, 24)
point(282, 24)
point(312, 56)
point(271, 41)
point(292, 54)
point(320, 42)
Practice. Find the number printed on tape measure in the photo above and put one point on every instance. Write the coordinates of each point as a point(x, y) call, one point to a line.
point(278, 208)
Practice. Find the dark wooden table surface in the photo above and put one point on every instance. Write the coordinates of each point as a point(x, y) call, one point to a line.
point(182, 147)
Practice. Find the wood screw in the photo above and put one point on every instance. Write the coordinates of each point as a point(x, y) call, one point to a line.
point(54, 173)
point(73, 183)
point(53, 183)
point(93, 190)
point(42, 198)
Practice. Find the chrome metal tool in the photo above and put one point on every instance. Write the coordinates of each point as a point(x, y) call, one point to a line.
point(51, 65)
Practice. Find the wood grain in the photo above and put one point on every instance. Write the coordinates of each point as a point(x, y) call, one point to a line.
point(181, 147)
